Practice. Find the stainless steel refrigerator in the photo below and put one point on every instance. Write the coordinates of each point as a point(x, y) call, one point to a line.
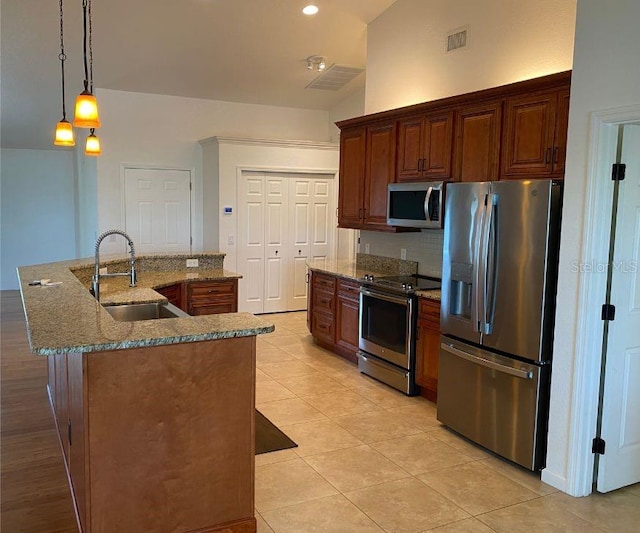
point(498, 306)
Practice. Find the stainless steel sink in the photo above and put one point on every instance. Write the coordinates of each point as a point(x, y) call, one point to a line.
point(147, 311)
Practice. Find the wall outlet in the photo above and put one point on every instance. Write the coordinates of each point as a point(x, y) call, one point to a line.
point(192, 263)
point(403, 253)
point(366, 248)
point(104, 270)
point(231, 239)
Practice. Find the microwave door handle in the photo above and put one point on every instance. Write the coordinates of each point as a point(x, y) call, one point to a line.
point(427, 202)
point(491, 251)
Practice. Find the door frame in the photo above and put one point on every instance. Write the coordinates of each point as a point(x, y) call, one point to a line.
point(592, 290)
point(196, 240)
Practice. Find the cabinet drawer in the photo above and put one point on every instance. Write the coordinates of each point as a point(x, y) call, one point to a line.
point(211, 289)
point(324, 327)
point(429, 310)
point(348, 289)
point(323, 301)
point(218, 307)
point(323, 281)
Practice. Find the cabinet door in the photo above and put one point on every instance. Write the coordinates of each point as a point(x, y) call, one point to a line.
point(560, 138)
point(347, 316)
point(309, 300)
point(428, 347)
point(436, 146)
point(173, 293)
point(409, 149)
point(527, 142)
point(351, 186)
point(477, 142)
point(379, 172)
point(61, 402)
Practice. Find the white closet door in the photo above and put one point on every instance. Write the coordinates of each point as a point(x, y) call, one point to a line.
point(620, 464)
point(283, 220)
point(251, 249)
point(158, 209)
point(275, 225)
point(311, 231)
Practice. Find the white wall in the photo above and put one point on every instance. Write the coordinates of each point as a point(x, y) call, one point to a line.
point(510, 40)
point(37, 209)
point(606, 49)
point(163, 131)
point(351, 106)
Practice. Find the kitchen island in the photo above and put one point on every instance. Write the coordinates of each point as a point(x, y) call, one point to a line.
point(155, 417)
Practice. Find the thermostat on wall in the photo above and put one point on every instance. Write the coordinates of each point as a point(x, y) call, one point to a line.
point(228, 210)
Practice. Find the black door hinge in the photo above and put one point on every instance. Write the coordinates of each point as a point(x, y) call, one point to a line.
point(608, 312)
point(598, 446)
point(617, 171)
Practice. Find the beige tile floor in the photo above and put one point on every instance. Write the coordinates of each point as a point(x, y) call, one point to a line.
point(372, 459)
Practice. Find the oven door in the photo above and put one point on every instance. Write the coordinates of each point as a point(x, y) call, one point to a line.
point(385, 326)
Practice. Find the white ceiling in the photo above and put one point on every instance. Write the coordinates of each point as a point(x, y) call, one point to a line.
point(250, 51)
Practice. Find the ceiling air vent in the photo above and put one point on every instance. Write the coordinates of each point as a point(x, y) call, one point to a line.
point(334, 78)
point(458, 38)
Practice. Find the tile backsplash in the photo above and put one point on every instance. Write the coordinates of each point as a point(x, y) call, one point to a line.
point(425, 247)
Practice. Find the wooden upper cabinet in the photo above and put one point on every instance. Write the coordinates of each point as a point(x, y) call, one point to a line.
point(351, 190)
point(477, 143)
point(534, 137)
point(379, 172)
point(562, 123)
point(367, 166)
point(424, 147)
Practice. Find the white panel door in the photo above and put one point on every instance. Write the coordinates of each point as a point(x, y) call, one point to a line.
point(620, 464)
point(311, 231)
point(275, 226)
point(158, 209)
point(251, 249)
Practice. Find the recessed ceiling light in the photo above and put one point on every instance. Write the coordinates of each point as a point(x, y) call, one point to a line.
point(310, 10)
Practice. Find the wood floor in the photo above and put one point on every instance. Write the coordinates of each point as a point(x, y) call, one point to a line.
point(34, 492)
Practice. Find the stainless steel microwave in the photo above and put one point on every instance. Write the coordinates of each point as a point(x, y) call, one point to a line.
point(416, 205)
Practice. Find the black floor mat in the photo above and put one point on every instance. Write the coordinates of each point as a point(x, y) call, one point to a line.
point(268, 437)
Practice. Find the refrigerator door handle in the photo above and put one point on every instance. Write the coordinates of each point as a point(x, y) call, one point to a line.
point(427, 202)
point(523, 374)
point(480, 272)
point(490, 251)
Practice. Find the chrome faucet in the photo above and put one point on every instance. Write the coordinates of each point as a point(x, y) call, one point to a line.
point(95, 280)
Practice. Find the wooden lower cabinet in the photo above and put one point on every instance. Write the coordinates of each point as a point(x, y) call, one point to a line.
point(428, 348)
point(173, 293)
point(212, 297)
point(160, 438)
point(333, 313)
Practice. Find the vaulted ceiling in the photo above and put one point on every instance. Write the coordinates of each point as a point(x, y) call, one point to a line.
point(251, 51)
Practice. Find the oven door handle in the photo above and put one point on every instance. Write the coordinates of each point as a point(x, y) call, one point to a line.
point(386, 297)
point(486, 363)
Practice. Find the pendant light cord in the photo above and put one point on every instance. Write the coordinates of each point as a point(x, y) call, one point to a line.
point(62, 57)
point(84, 44)
point(90, 51)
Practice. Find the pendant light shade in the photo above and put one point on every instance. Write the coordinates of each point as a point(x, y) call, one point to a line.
point(93, 145)
point(86, 115)
point(64, 134)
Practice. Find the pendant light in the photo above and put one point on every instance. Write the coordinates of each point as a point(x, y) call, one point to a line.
point(64, 131)
point(93, 144)
point(86, 115)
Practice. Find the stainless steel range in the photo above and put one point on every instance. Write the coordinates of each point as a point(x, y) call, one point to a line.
point(388, 317)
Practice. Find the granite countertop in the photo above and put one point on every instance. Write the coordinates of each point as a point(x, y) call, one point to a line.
point(66, 318)
point(370, 264)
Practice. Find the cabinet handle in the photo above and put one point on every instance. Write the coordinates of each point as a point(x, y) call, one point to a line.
point(547, 156)
point(419, 165)
point(555, 154)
